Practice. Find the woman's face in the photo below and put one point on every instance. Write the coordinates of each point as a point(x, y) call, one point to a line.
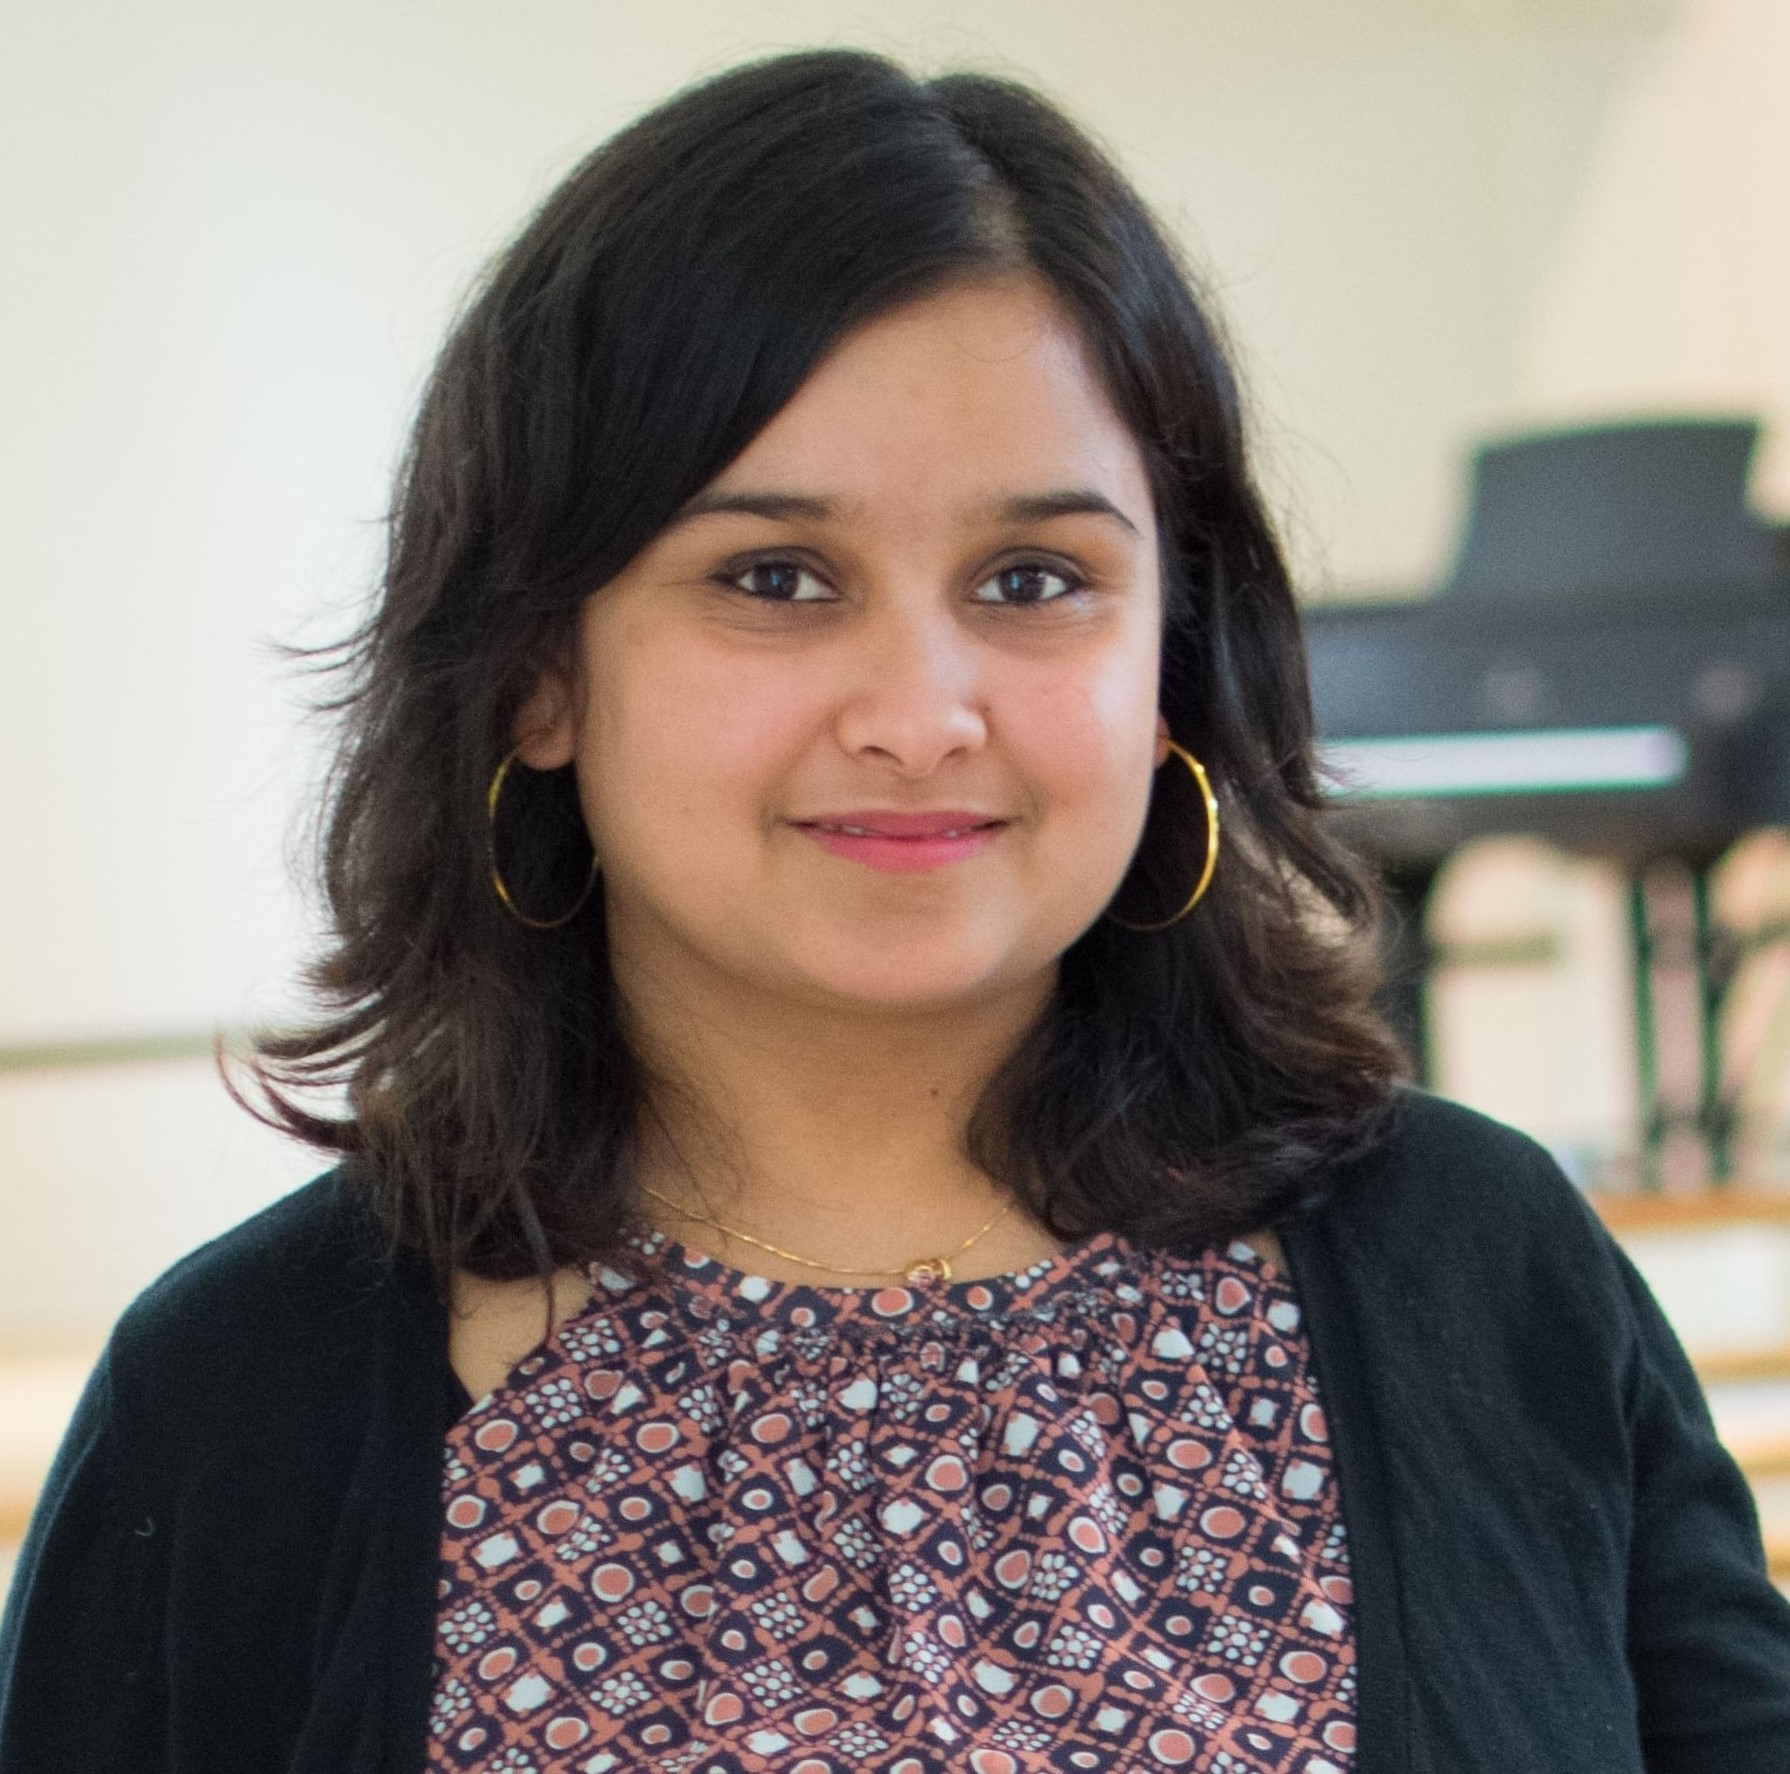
point(872, 722)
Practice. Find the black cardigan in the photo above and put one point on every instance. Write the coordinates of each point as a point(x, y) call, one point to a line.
point(1557, 1568)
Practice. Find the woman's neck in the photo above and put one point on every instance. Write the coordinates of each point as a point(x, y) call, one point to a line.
point(833, 1134)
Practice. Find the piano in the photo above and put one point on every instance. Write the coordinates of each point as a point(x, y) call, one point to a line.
point(1607, 666)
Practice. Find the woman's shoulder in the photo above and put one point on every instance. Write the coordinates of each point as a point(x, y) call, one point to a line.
point(1442, 1176)
point(321, 1242)
point(295, 1296)
point(1473, 1287)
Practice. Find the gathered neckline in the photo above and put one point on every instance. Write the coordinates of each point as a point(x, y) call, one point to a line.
point(1106, 1260)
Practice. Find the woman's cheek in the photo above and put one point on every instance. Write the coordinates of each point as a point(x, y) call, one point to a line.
point(706, 745)
point(1091, 750)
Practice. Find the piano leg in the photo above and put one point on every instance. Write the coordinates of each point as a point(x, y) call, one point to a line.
point(1651, 1123)
point(1678, 948)
point(1405, 957)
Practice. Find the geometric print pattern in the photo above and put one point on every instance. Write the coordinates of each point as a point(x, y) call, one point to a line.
point(1080, 1517)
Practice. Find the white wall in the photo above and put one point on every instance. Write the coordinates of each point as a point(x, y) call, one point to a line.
point(233, 234)
point(1670, 287)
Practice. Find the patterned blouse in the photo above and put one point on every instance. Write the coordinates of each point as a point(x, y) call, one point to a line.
point(1077, 1517)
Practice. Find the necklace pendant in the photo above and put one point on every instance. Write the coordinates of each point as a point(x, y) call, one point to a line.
point(931, 1269)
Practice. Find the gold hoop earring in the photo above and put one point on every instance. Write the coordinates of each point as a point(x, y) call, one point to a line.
point(1211, 803)
point(497, 881)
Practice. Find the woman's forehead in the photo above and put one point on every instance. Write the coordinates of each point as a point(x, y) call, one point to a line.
point(973, 399)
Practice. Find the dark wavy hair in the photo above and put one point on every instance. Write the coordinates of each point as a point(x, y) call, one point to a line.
point(660, 307)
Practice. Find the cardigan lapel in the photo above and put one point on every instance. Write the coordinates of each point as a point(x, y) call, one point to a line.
point(1383, 1691)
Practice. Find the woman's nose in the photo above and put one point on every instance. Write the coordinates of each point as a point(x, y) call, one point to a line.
point(913, 695)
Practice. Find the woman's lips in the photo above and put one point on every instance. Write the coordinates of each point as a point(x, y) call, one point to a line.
point(903, 843)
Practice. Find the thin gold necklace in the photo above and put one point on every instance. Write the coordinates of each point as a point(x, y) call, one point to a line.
point(924, 1269)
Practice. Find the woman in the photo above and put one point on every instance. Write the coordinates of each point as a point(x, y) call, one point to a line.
point(874, 1226)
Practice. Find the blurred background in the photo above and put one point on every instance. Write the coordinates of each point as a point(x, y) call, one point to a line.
point(1510, 282)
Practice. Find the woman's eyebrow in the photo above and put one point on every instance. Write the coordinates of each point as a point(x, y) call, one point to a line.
point(812, 508)
point(1065, 502)
point(779, 507)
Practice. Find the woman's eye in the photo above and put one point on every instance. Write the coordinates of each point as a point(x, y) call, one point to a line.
point(780, 582)
point(1028, 583)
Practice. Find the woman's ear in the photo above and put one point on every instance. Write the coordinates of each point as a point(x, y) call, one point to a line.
point(545, 730)
point(1162, 739)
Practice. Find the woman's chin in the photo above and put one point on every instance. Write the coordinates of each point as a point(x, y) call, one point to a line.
point(894, 981)
point(839, 963)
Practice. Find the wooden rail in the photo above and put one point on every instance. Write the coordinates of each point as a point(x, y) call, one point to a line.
point(96, 1053)
point(15, 1514)
point(1706, 1209)
point(1762, 1456)
point(1777, 1557)
point(1717, 1367)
